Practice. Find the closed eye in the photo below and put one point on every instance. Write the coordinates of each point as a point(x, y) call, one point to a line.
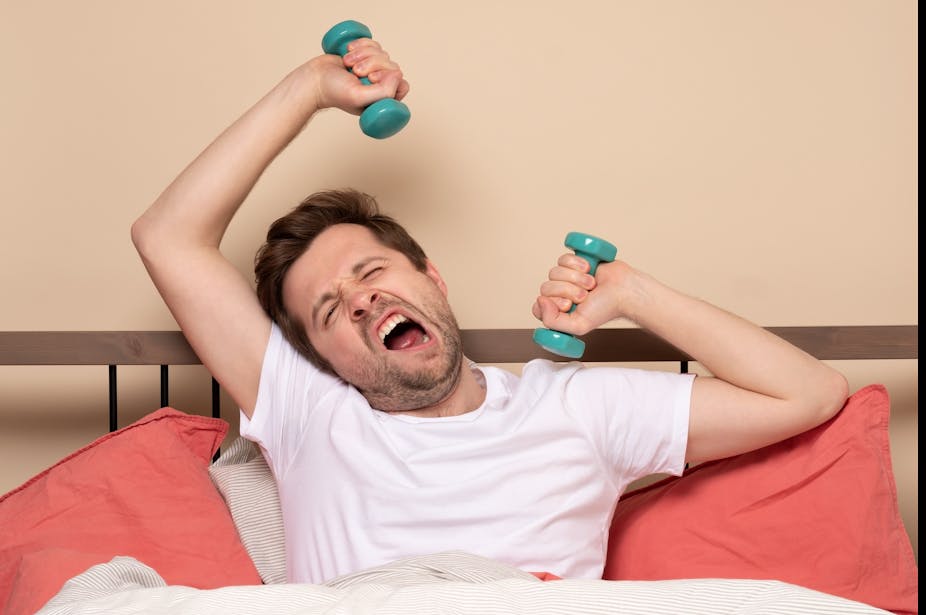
point(371, 273)
point(330, 313)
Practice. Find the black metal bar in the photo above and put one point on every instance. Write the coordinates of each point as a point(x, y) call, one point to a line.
point(216, 410)
point(216, 400)
point(164, 386)
point(683, 366)
point(113, 410)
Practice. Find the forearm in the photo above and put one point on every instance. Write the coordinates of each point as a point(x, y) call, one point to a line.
point(198, 205)
point(730, 347)
point(762, 388)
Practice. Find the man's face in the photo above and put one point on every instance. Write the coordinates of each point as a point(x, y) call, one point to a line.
point(384, 326)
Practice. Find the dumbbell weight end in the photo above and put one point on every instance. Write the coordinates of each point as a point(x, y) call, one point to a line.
point(383, 118)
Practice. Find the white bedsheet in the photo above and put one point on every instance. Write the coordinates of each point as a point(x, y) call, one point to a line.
point(446, 583)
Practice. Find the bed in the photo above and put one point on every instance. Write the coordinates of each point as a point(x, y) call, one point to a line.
point(154, 517)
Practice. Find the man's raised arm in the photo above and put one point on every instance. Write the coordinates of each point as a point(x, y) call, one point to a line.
point(763, 389)
point(178, 236)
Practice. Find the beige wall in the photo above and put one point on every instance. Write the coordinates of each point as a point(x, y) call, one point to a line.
point(759, 154)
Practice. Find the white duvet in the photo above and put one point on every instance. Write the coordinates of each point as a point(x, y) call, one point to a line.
point(446, 583)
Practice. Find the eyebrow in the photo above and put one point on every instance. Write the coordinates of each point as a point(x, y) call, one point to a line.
point(329, 295)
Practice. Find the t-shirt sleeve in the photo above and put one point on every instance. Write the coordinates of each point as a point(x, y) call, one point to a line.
point(290, 392)
point(638, 419)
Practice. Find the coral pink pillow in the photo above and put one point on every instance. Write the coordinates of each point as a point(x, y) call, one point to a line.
point(818, 510)
point(143, 491)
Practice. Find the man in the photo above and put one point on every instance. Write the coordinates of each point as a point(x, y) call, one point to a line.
point(384, 441)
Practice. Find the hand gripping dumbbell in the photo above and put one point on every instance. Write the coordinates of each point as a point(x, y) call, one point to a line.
point(594, 251)
point(383, 118)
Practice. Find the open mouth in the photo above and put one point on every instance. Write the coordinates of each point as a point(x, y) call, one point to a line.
point(399, 332)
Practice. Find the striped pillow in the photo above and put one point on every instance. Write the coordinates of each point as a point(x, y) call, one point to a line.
point(243, 478)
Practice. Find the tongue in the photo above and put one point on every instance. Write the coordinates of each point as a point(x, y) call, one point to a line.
point(406, 338)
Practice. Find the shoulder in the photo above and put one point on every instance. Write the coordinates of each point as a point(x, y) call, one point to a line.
point(288, 378)
point(543, 370)
point(577, 381)
point(540, 379)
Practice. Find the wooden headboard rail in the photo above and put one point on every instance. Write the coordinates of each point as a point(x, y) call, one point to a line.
point(166, 348)
point(481, 345)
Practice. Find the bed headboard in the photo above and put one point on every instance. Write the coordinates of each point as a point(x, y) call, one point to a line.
point(481, 345)
point(622, 345)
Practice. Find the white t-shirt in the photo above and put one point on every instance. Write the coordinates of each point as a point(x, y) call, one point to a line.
point(530, 478)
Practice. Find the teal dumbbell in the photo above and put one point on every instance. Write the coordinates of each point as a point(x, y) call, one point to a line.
point(595, 251)
point(383, 118)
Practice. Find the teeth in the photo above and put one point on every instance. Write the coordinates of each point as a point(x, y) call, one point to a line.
point(389, 325)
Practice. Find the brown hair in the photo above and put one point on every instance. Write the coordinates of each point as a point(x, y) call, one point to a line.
point(290, 236)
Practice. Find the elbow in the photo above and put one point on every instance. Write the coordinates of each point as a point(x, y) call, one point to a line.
point(833, 391)
point(138, 233)
point(142, 234)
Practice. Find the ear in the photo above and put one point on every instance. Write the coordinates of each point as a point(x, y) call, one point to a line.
point(432, 272)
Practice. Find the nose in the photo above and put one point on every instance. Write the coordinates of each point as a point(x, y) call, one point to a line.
point(361, 300)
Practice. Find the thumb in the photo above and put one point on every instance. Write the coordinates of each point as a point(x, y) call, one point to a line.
point(546, 311)
point(383, 84)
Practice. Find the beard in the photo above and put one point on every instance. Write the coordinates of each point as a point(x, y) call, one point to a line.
point(392, 387)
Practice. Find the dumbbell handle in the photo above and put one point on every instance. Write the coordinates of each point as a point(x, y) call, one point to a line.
point(594, 251)
point(593, 262)
point(383, 118)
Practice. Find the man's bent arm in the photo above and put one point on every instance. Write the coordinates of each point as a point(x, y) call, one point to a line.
point(763, 388)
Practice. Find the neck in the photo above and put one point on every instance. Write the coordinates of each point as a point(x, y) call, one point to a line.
point(468, 394)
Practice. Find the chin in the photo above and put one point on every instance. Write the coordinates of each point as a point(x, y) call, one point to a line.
point(407, 392)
